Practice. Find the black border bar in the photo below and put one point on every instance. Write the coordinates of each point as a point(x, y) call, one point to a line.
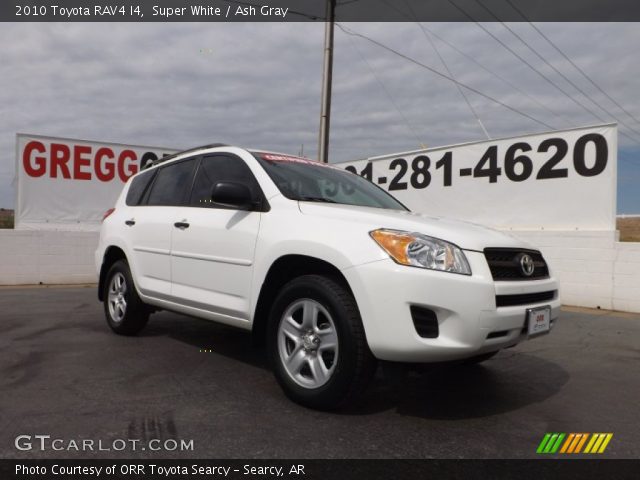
point(534, 469)
point(314, 10)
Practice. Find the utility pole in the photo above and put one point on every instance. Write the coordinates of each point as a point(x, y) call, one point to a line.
point(325, 109)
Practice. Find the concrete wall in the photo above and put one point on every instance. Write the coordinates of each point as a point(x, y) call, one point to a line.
point(595, 270)
point(47, 257)
point(626, 278)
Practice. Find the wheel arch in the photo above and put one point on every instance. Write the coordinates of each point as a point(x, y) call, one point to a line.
point(111, 255)
point(281, 271)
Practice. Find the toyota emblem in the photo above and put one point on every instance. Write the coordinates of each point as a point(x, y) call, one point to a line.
point(526, 265)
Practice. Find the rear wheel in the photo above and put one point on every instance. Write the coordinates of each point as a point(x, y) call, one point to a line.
point(317, 345)
point(125, 312)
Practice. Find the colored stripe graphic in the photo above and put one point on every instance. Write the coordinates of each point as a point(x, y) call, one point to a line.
point(568, 442)
point(556, 446)
point(606, 442)
point(590, 444)
point(598, 442)
point(551, 443)
point(581, 443)
point(576, 446)
point(543, 443)
point(573, 443)
point(596, 445)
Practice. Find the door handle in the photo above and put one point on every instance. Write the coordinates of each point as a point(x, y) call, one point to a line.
point(181, 225)
point(130, 222)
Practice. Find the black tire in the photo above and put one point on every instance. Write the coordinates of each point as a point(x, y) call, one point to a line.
point(479, 358)
point(135, 315)
point(352, 364)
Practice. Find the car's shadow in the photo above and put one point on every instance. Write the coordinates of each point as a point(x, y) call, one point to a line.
point(509, 381)
point(221, 339)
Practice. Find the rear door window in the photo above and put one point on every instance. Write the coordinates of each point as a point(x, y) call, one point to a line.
point(172, 183)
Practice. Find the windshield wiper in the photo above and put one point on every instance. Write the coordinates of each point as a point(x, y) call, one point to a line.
point(315, 199)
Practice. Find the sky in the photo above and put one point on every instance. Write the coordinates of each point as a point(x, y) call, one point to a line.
point(258, 85)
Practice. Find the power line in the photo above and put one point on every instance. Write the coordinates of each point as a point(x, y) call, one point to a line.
point(444, 63)
point(584, 74)
point(371, 69)
point(474, 61)
point(496, 75)
point(466, 99)
point(548, 80)
point(523, 60)
point(437, 72)
point(568, 80)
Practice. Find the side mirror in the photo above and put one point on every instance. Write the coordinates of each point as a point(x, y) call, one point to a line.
point(234, 195)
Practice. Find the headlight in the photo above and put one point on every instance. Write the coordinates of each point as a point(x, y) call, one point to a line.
point(419, 250)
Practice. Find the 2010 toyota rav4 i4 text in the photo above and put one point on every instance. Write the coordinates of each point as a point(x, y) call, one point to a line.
point(328, 269)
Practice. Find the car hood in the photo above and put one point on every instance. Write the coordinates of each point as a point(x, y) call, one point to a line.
point(466, 235)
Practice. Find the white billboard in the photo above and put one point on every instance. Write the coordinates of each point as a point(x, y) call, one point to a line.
point(63, 183)
point(562, 180)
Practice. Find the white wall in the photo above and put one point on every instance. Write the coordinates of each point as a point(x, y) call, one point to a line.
point(595, 270)
point(48, 257)
point(626, 278)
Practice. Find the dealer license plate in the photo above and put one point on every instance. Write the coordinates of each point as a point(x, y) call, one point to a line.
point(538, 320)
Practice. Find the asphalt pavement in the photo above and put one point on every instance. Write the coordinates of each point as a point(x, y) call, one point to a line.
point(63, 373)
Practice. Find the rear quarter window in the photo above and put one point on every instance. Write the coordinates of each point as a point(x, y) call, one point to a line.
point(138, 186)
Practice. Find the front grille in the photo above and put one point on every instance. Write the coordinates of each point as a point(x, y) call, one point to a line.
point(524, 298)
point(505, 265)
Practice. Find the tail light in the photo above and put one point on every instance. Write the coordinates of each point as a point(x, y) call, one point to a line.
point(107, 213)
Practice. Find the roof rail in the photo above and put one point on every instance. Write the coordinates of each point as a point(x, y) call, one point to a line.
point(151, 163)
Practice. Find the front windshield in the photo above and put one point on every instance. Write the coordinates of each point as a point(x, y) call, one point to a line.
point(307, 180)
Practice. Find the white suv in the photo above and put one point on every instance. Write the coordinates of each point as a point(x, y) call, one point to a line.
point(325, 267)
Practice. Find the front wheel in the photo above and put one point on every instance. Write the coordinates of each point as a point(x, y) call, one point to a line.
point(317, 345)
point(125, 312)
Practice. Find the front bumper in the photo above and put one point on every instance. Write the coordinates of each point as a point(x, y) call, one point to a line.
point(469, 323)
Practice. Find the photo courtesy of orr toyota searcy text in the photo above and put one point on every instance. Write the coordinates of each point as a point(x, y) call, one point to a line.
point(195, 469)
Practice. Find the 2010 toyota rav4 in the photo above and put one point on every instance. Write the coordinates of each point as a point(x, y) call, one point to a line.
point(328, 269)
